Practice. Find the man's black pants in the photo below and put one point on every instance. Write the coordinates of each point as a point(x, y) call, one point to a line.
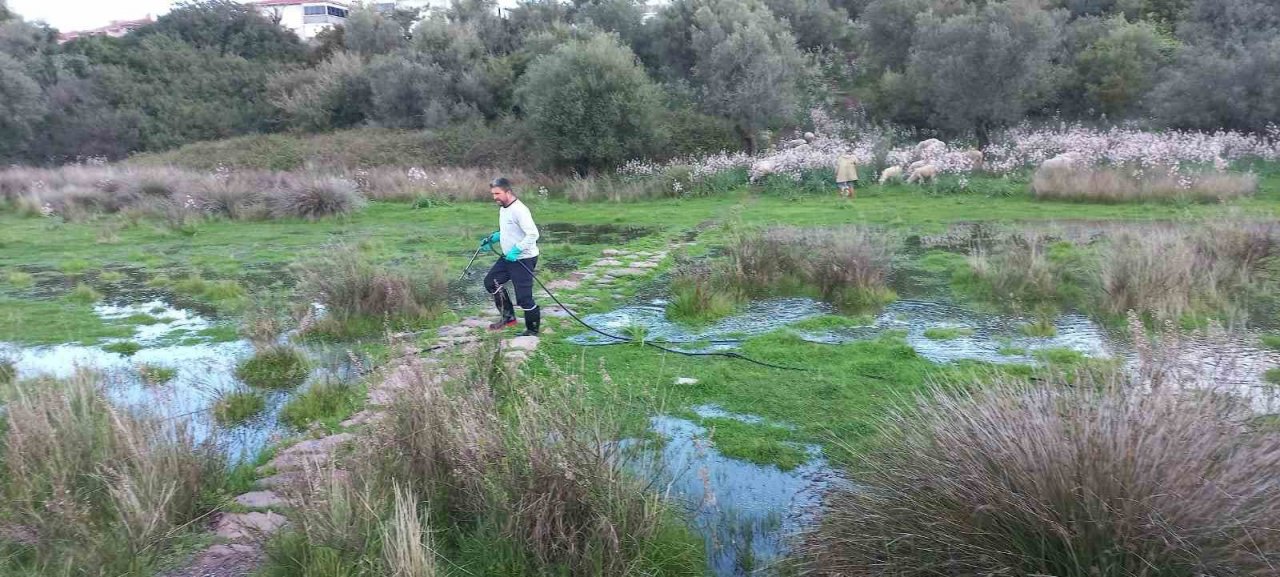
point(505, 270)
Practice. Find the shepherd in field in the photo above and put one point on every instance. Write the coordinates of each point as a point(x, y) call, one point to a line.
point(847, 175)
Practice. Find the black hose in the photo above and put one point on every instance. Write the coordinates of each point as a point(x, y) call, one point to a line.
point(731, 355)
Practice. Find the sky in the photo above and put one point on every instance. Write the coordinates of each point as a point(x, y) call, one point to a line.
point(68, 15)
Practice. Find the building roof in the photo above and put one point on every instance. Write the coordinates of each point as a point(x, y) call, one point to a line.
point(114, 26)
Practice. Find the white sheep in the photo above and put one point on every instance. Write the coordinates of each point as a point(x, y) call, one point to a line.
point(893, 172)
point(810, 137)
point(1064, 161)
point(917, 164)
point(795, 142)
point(930, 148)
point(927, 171)
point(975, 158)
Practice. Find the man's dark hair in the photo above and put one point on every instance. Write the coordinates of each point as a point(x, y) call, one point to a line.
point(501, 182)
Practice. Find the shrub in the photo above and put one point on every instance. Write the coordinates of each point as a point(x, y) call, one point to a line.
point(353, 289)
point(275, 367)
point(313, 198)
point(848, 266)
point(1077, 477)
point(101, 490)
point(235, 407)
point(1108, 184)
point(1027, 267)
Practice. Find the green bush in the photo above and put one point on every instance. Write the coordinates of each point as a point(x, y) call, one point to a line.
point(276, 367)
point(123, 348)
point(590, 105)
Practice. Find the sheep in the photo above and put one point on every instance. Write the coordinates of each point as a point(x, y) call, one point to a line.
point(927, 171)
point(1064, 161)
point(795, 142)
point(975, 158)
point(893, 172)
point(917, 164)
point(810, 137)
point(930, 148)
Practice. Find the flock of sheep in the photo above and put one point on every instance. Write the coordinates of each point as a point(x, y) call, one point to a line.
point(925, 166)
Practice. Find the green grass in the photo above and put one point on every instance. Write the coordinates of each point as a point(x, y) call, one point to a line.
point(275, 368)
point(19, 279)
point(832, 322)
point(946, 333)
point(111, 276)
point(8, 372)
point(226, 294)
point(236, 407)
point(74, 266)
point(1060, 356)
point(220, 333)
point(701, 302)
point(141, 319)
point(1039, 328)
point(756, 443)
point(84, 294)
point(327, 403)
point(156, 374)
point(123, 348)
point(1272, 376)
point(43, 322)
point(1270, 341)
point(1011, 351)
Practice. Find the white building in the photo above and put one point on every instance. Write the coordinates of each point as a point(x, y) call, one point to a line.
point(305, 17)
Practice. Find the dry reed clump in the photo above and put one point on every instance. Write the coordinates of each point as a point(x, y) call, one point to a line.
point(849, 265)
point(1106, 184)
point(1028, 266)
point(1084, 476)
point(541, 471)
point(352, 287)
point(1171, 273)
point(100, 490)
point(315, 197)
point(445, 183)
point(699, 291)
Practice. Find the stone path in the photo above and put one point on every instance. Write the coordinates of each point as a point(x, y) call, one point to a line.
point(290, 472)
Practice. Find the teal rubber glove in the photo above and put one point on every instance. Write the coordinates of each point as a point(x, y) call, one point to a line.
point(494, 238)
point(513, 254)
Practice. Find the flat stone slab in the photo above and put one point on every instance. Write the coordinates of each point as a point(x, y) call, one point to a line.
point(610, 252)
point(297, 462)
point(248, 526)
point(516, 357)
point(283, 480)
point(686, 381)
point(563, 284)
point(630, 271)
point(323, 445)
point(474, 323)
point(522, 343)
point(454, 331)
point(225, 560)
point(607, 262)
point(644, 264)
point(261, 500)
point(557, 312)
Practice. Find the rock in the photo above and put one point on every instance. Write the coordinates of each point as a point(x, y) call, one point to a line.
point(261, 500)
point(248, 526)
point(323, 445)
point(364, 418)
point(810, 137)
point(631, 271)
point(286, 479)
point(454, 331)
point(522, 343)
point(475, 323)
point(644, 264)
point(557, 312)
point(224, 560)
point(607, 262)
point(610, 252)
point(516, 357)
point(563, 284)
point(297, 462)
point(686, 381)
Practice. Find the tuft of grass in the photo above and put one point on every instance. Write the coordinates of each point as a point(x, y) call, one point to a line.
point(160, 281)
point(946, 333)
point(276, 367)
point(235, 407)
point(103, 491)
point(1064, 478)
point(327, 402)
point(1041, 327)
point(19, 279)
point(1011, 351)
point(74, 266)
point(316, 197)
point(832, 322)
point(1060, 356)
point(1272, 376)
point(358, 293)
point(1270, 341)
point(156, 374)
point(140, 319)
point(84, 294)
point(760, 444)
point(123, 348)
point(1114, 185)
point(8, 371)
point(847, 266)
point(111, 276)
point(224, 292)
point(698, 294)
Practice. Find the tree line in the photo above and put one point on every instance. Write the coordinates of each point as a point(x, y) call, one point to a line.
point(591, 83)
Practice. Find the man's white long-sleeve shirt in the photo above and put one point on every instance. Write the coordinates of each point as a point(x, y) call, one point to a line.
point(515, 224)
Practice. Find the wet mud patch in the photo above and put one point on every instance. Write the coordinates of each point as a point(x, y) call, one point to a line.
point(598, 234)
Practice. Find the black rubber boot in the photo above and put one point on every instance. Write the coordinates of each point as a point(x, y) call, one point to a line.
point(532, 320)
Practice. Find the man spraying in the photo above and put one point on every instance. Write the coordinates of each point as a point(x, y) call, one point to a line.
point(518, 238)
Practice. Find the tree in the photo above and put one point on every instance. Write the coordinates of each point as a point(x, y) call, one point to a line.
point(1117, 71)
point(886, 30)
point(228, 28)
point(411, 93)
point(1230, 22)
point(985, 68)
point(814, 23)
point(335, 94)
point(21, 107)
point(5, 14)
point(590, 105)
point(747, 65)
point(369, 33)
point(622, 17)
point(1230, 87)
